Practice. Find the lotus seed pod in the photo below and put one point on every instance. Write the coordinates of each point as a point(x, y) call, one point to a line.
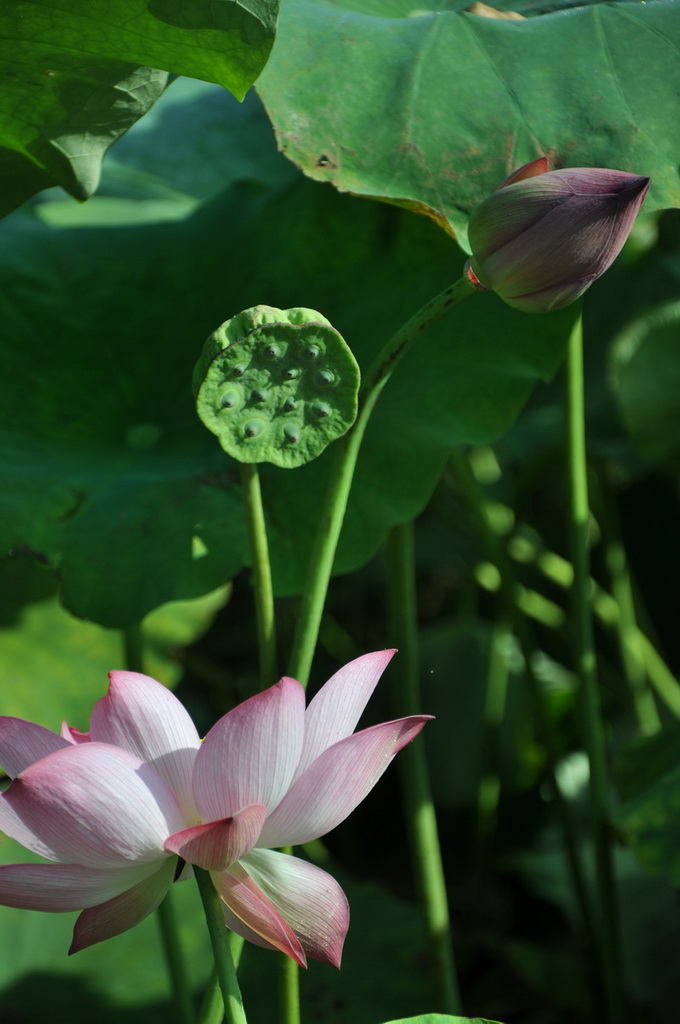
point(276, 385)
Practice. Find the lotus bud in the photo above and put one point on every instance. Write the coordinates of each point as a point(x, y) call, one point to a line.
point(542, 238)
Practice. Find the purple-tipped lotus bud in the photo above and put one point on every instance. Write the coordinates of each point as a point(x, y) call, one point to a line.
point(544, 236)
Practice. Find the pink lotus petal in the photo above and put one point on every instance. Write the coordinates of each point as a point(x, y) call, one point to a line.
point(530, 170)
point(73, 735)
point(22, 743)
point(335, 710)
point(63, 887)
point(234, 924)
point(336, 782)
point(124, 911)
point(250, 906)
point(309, 899)
point(216, 845)
point(250, 755)
point(91, 804)
point(144, 717)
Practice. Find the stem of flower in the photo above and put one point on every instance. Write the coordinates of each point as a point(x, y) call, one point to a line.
point(212, 1009)
point(335, 504)
point(289, 982)
point(289, 991)
point(219, 938)
point(593, 729)
point(420, 814)
point(262, 581)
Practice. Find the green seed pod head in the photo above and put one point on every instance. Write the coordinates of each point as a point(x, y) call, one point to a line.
point(276, 385)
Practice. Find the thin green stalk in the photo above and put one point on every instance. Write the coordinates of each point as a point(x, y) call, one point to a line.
point(497, 677)
point(630, 647)
point(289, 982)
point(331, 518)
point(627, 632)
point(219, 938)
point(420, 814)
point(593, 727)
point(133, 646)
point(262, 581)
point(569, 828)
point(289, 1008)
point(347, 452)
point(660, 676)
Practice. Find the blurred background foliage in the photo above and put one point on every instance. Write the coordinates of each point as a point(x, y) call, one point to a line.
point(117, 507)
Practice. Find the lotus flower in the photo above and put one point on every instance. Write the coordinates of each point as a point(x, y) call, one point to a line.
point(542, 238)
point(120, 809)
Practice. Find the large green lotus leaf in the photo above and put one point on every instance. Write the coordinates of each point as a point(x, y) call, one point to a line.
point(455, 672)
point(72, 80)
point(59, 122)
point(108, 474)
point(193, 143)
point(431, 107)
point(106, 470)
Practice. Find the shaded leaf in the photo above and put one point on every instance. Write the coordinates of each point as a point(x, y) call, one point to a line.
point(66, 119)
point(455, 672)
point(76, 76)
point(646, 377)
point(126, 976)
point(649, 817)
point(649, 933)
point(56, 666)
point(108, 474)
point(432, 107)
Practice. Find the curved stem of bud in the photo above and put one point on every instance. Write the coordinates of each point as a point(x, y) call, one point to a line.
point(347, 452)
